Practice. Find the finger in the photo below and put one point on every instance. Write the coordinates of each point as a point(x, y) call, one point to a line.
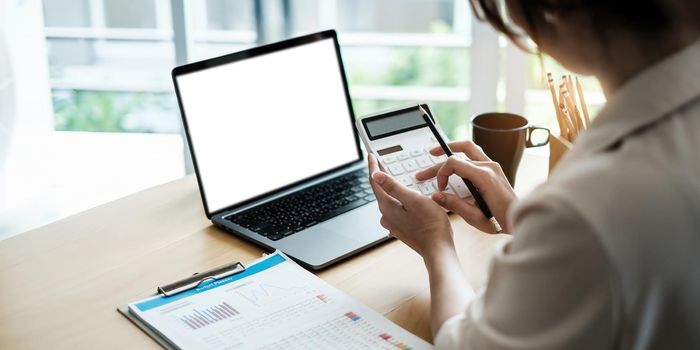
point(384, 201)
point(471, 149)
point(387, 204)
point(384, 222)
point(394, 188)
point(489, 164)
point(463, 168)
point(464, 208)
point(429, 173)
point(437, 151)
point(372, 164)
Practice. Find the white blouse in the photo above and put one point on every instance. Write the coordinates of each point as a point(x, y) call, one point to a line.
point(606, 254)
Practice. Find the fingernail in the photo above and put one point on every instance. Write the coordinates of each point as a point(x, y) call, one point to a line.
point(439, 197)
point(379, 177)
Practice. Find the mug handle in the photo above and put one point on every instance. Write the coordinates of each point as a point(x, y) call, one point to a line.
point(530, 130)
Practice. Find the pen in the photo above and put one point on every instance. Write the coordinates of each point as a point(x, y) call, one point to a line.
point(448, 152)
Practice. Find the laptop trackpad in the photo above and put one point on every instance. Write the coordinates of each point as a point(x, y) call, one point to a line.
point(338, 236)
point(361, 224)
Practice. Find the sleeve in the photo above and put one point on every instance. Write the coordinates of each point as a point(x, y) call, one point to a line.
point(548, 287)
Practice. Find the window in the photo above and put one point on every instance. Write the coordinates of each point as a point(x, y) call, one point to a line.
point(114, 109)
point(398, 52)
point(221, 27)
point(110, 59)
point(109, 63)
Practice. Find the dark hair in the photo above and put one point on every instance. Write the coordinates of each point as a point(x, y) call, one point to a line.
point(647, 16)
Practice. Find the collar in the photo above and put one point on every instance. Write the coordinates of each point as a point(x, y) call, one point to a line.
point(650, 96)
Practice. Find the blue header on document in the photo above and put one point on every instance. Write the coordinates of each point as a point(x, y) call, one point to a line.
point(268, 262)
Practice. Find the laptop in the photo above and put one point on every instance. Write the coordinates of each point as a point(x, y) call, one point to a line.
point(277, 157)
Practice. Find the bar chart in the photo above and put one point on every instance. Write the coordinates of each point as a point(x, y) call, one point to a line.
point(199, 318)
point(279, 307)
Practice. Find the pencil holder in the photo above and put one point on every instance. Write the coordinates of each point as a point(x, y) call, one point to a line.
point(558, 146)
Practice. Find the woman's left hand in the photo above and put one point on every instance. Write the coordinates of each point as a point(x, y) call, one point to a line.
point(409, 216)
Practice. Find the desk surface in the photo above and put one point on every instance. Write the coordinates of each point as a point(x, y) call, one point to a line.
point(60, 284)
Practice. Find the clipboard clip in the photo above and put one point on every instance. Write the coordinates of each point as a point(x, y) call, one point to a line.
point(198, 278)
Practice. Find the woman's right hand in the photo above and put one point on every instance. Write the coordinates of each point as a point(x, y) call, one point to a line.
point(486, 175)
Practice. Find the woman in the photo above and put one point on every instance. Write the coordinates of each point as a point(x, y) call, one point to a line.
point(606, 254)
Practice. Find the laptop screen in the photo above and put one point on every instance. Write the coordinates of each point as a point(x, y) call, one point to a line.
point(259, 124)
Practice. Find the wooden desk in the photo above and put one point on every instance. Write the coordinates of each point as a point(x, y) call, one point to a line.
point(60, 284)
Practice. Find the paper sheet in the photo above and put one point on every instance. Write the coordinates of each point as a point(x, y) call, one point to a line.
point(273, 304)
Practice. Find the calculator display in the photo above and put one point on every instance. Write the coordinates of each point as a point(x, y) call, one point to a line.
point(392, 124)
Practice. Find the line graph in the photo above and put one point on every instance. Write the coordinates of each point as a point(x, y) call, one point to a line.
point(260, 293)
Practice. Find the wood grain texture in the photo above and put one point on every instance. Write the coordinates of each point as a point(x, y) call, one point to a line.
point(60, 284)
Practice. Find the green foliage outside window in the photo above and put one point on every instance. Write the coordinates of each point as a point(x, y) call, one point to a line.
point(421, 67)
point(105, 111)
point(80, 110)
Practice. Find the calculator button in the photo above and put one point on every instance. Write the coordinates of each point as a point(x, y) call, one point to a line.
point(410, 165)
point(402, 156)
point(395, 169)
point(440, 159)
point(389, 159)
point(426, 188)
point(416, 152)
point(428, 148)
point(424, 162)
point(459, 187)
point(461, 155)
point(450, 190)
point(405, 179)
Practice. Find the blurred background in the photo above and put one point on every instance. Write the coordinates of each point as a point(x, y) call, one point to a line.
point(88, 113)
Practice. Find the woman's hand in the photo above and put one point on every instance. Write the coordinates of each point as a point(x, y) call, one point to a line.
point(410, 216)
point(486, 175)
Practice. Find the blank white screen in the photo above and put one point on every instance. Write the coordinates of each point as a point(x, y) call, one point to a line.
point(262, 123)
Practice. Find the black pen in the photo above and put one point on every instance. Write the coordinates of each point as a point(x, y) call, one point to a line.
point(448, 152)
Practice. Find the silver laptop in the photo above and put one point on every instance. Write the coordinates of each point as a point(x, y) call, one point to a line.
point(277, 157)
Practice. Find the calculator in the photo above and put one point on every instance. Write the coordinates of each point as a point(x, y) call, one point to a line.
point(401, 142)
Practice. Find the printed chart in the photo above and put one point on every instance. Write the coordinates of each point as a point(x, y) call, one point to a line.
point(275, 305)
point(201, 318)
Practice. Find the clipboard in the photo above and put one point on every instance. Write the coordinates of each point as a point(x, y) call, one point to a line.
point(177, 287)
point(269, 302)
point(124, 310)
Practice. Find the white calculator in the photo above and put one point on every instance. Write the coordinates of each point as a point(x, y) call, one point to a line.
point(401, 140)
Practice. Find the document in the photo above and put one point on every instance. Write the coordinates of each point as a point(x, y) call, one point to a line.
point(273, 304)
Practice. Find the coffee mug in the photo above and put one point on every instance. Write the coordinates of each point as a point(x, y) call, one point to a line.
point(504, 137)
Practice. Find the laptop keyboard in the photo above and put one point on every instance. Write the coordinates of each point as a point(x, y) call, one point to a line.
point(300, 210)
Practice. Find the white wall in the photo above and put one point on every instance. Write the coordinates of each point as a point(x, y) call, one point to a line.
point(25, 102)
point(23, 24)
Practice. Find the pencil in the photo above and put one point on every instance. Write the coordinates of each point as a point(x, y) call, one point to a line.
point(567, 80)
point(571, 107)
point(572, 91)
point(567, 116)
point(572, 129)
point(560, 120)
point(584, 108)
point(481, 203)
point(573, 111)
